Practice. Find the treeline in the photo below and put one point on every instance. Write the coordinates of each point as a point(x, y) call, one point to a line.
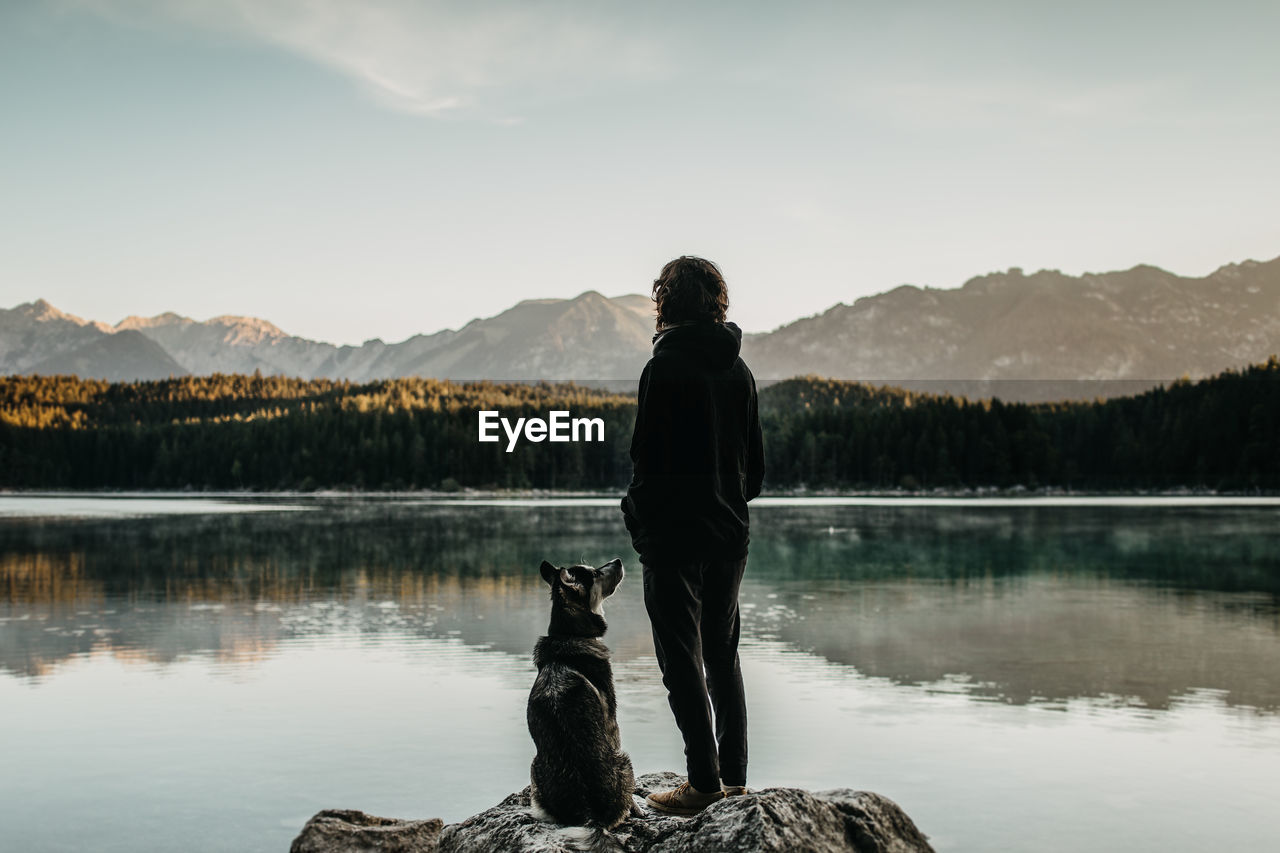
point(255, 432)
point(1219, 433)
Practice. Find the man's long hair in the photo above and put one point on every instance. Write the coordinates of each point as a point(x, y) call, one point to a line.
point(690, 289)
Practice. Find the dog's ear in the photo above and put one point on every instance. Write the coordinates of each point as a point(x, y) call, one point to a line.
point(548, 572)
point(566, 578)
point(611, 575)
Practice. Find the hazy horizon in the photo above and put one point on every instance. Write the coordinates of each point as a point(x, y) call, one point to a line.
point(777, 323)
point(389, 168)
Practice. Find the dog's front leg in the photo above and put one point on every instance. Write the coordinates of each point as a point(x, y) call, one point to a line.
point(637, 810)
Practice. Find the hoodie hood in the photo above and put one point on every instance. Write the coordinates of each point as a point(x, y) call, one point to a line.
point(718, 343)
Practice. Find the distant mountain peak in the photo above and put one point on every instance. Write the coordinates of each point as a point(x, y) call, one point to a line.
point(1245, 266)
point(247, 330)
point(168, 318)
point(1142, 325)
point(42, 311)
point(584, 296)
point(255, 323)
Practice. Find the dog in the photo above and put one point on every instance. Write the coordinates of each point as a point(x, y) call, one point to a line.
point(580, 776)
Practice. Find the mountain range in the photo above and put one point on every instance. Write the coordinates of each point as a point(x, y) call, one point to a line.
point(1040, 336)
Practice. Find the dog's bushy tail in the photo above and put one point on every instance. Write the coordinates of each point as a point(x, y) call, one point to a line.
point(591, 839)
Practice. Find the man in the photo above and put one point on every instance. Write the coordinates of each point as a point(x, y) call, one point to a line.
point(698, 458)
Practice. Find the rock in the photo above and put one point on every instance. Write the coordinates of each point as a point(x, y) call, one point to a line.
point(350, 831)
point(771, 820)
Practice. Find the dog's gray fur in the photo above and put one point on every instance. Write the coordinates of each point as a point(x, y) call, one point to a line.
point(580, 774)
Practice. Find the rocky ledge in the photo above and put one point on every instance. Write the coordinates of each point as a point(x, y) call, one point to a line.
point(785, 820)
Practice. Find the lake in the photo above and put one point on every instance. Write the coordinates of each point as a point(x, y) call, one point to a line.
point(206, 673)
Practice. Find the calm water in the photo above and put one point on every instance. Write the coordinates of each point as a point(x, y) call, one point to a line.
point(1017, 676)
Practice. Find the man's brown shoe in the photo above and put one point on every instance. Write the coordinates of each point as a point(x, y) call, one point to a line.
point(684, 799)
point(734, 790)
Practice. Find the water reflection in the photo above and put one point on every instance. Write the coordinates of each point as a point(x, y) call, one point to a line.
point(1025, 605)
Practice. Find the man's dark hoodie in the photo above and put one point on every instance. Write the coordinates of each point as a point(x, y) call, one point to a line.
point(696, 450)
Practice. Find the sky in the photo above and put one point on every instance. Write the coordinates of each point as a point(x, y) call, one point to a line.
point(352, 169)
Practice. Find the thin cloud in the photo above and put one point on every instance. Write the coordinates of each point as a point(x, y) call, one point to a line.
point(430, 58)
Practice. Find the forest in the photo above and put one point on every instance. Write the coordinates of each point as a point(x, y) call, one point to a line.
point(275, 433)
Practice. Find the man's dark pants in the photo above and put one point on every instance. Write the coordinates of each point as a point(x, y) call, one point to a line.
point(693, 608)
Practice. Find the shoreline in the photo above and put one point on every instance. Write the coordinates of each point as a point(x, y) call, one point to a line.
point(469, 494)
point(987, 497)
